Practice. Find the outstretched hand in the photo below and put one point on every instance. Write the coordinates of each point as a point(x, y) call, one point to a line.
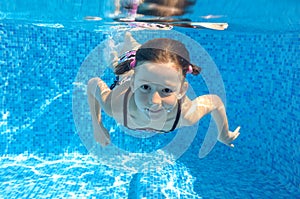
point(230, 137)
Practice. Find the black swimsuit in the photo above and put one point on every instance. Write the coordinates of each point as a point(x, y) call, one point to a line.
point(149, 129)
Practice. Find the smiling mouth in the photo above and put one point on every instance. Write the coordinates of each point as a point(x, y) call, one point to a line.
point(153, 111)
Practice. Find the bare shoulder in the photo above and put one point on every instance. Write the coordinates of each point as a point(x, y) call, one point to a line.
point(186, 106)
point(116, 96)
point(117, 100)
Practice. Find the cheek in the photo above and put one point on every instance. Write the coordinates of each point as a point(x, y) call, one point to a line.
point(170, 101)
point(140, 99)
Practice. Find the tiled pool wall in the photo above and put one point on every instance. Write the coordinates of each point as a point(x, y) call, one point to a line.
point(260, 73)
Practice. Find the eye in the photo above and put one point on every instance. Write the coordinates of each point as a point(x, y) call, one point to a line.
point(167, 90)
point(145, 87)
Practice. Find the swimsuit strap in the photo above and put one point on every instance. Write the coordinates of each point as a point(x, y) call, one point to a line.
point(177, 116)
point(125, 107)
point(125, 112)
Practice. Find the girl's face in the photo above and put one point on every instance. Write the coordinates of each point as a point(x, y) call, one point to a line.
point(157, 87)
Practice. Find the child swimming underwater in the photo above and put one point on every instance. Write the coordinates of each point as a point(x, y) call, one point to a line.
point(150, 93)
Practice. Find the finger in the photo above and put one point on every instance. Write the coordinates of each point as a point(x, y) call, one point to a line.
point(235, 136)
point(237, 129)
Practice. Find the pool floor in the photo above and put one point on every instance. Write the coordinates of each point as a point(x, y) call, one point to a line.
point(80, 176)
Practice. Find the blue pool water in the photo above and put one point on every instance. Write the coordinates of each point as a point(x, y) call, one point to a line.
point(43, 151)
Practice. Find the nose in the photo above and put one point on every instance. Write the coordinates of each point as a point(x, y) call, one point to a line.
point(155, 98)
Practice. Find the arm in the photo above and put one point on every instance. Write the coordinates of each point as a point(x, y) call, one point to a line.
point(99, 95)
point(213, 104)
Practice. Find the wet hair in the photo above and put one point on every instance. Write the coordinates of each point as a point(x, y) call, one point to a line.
point(162, 50)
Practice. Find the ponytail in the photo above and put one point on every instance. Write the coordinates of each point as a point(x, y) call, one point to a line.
point(196, 69)
point(122, 67)
point(126, 62)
